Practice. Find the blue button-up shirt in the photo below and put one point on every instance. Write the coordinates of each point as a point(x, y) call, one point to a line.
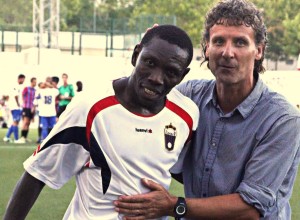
point(253, 150)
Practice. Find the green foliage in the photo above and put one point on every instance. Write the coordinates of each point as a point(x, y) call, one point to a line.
point(291, 25)
point(189, 15)
point(16, 16)
point(281, 16)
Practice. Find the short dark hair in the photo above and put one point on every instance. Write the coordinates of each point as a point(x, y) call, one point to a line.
point(55, 79)
point(79, 86)
point(64, 74)
point(32, 79)
point(237, 12)
point(21, 76)
point(173, 35)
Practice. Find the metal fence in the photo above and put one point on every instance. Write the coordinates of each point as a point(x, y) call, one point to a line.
point(94, 35)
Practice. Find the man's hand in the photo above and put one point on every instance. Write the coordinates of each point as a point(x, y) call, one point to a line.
point(154, 25)
point(154, 204)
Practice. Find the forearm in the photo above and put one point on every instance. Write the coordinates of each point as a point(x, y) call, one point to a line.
point(23, 198)
point(221, 207)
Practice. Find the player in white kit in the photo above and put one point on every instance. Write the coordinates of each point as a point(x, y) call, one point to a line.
point(135, 128)
point(47, 108)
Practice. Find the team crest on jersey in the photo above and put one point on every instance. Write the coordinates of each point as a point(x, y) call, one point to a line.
point(170, 136)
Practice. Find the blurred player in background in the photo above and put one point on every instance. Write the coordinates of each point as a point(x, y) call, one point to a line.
point(14, 104)
point(28, 111)
point(47, 109)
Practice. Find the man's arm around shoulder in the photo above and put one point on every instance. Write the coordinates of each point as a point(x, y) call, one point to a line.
point(24, 196)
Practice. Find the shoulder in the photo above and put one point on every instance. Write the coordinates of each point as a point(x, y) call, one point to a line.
point(196, 86)
point(89, 97)
point(185, 103)
point(276, 103)
point(274, 114)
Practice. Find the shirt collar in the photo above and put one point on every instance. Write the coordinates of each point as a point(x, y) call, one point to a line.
point(246, 107)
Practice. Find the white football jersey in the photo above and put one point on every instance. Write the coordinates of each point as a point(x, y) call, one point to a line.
point(16, 91)
point(46, 102)
point(110, 149)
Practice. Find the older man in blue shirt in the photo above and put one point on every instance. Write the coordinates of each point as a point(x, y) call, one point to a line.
point(252, 150)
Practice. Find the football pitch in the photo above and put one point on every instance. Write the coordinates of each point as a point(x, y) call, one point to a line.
point(52, 204)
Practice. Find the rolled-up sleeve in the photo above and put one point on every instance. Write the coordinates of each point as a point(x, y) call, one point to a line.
point(262, 198)
point(272, 168)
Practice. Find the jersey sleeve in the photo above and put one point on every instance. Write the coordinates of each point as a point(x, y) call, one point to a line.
point(72, 93)
point(192, 109)
point(65, 151)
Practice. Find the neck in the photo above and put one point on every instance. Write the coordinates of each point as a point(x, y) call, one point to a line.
point(125, 94)
point(229, 97)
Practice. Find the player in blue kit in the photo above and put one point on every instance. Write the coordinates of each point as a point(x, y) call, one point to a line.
point(135, 127)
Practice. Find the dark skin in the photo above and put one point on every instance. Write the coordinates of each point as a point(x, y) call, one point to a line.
point(25, 193)
point(159, 66)
point(155, 74)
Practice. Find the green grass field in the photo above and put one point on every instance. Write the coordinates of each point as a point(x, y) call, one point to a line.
point(52, 204)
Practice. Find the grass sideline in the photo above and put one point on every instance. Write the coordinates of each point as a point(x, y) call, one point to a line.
point(52, 204)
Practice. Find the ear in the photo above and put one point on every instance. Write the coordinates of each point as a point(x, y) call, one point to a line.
point(136, 51)
point(186, 71)
point(260, 51)
point(206, 49)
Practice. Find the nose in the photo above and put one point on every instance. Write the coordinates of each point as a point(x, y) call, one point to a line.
point(228, 50)
point(156, 76)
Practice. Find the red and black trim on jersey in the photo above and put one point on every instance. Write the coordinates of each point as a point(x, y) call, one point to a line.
point(77, 135)
point(183, 114)
point(84, 137)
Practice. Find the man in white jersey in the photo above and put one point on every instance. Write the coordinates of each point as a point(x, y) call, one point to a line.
point(137, 127)
point(47, 108)
point(14, 104)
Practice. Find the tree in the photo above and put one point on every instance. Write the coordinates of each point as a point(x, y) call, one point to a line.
point(72, 11)
point(16, 16)
point(190, 14)
point(281, 17)
point(291, 25)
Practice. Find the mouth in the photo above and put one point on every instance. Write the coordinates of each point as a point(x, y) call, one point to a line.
point(227, 66)
point(150, 92)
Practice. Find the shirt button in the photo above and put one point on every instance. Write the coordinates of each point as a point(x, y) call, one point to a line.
point(213, 144)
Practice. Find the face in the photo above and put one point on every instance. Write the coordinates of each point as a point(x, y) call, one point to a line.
point(232, 51)
point(64, 78)
point(33, 83)
point(159, 66)
point(42, 85)
point(54, 84)
point(21, 80)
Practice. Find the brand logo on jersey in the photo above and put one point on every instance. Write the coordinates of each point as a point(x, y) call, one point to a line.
point(143, 130)
point(170, 136)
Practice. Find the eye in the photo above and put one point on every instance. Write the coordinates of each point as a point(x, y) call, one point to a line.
point(218, 41)
point(149, 62)
point(172, 73)
point(241, 42)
